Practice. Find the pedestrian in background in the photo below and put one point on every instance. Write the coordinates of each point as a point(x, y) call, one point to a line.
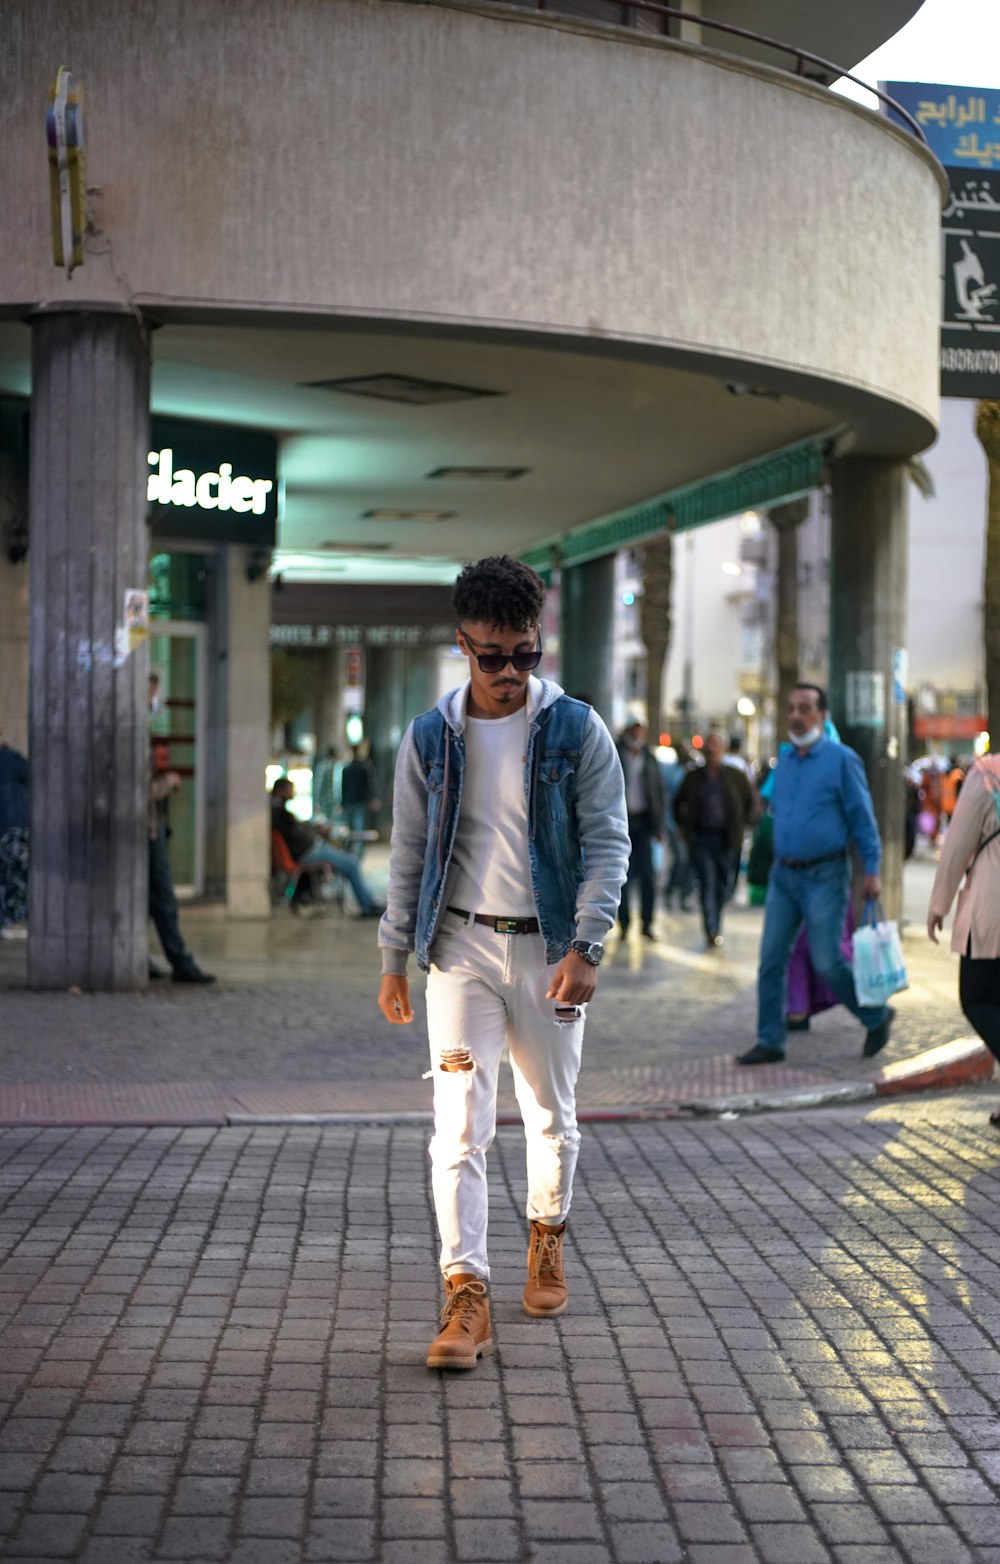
point(714, 807)
point(680, 879)
point(972, 849)
point(645, 803)
point(14, 800)
point(161, 783)
point(821, 804)
point(359, 796)
point(310, 844)
point(325, 791)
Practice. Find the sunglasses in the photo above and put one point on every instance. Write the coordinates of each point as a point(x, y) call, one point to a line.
point(495, 662)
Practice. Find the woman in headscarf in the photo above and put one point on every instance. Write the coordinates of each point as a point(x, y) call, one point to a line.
point(972, 848)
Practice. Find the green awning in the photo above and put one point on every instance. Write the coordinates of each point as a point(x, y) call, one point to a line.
point(770, 480)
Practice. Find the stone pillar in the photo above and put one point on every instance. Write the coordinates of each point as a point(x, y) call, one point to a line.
point(385, 719)
point(868, 582)
point(588, 617)
point(420, 683)
point(89, 740)
point(248, 661)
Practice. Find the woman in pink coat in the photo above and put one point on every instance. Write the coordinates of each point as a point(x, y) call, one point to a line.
point(972, 848)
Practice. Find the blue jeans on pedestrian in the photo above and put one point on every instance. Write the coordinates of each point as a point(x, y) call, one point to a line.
point(356, 816)
point(345, 864)
point(818, 898)
point(713, 862)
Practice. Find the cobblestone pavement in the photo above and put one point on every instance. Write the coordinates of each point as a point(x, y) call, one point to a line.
point(781, 1348)
point(292, 1023)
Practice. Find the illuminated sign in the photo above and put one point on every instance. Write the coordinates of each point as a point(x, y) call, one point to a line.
point(210, 491)
point(212, 483)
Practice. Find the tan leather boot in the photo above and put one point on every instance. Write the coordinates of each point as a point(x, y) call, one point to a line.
point(465, 1324)
point(545, 1292)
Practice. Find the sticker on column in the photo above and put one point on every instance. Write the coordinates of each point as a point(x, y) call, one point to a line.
point(134, 628)
point(900, 674)
point(865, 699)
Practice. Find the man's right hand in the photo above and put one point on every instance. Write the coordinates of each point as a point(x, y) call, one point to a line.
point(394, 999)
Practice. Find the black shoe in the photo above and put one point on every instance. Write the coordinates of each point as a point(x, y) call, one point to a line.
point(647, 932)
point(713, 941)
point(796, 1023)
point(760, 1054)
point(190, 972)
point(878, 1036)
point(374, 911)
point(156, 972)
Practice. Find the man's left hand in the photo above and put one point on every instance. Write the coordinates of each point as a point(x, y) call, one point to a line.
point(574, 982)
point(872, 887)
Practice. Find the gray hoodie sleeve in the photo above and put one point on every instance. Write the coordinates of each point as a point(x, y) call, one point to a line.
point(397, 927)
point(603, 824)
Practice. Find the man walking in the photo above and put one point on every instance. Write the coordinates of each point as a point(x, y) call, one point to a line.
point(509, 849)
point(821, 804)
point(646, 807)
point(714, 806)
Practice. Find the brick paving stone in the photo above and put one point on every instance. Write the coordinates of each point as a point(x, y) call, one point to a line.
point(351, 1541)
point(639, 1542)
point(487, 1540)
point(58, 1536)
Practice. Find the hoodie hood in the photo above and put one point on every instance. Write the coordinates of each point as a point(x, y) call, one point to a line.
point(454, 706)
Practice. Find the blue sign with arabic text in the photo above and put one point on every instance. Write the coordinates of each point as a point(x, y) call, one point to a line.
point(962, 124)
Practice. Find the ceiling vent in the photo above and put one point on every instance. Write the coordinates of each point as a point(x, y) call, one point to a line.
point(356, 548)
point(485, 474)
point(401, 388)
point(408, 515)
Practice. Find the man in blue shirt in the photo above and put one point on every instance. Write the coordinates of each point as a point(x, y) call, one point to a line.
point(821, 804)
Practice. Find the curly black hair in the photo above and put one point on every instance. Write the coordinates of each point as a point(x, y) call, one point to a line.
point(499, 591)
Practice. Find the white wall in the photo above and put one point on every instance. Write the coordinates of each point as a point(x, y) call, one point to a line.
point(947, 548)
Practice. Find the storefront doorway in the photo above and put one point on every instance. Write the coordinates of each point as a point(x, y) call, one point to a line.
point(178, 653)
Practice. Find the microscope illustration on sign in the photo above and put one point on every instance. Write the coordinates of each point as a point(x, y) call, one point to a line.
point(973, 292)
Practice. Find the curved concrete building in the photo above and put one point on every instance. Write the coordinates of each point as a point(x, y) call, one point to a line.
point(414, 242)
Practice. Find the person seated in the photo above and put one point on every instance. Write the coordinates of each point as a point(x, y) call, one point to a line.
point(308, 844)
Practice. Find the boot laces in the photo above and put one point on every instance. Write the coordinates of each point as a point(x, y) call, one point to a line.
point(462, 1303)
point(547, 1254)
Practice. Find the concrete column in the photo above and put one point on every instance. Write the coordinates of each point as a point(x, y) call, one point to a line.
point(420, 682)
point(868, 582)
point(89, 743)
point(248, 661)
point(588, 616)
point(385, 718)
point(328, 718)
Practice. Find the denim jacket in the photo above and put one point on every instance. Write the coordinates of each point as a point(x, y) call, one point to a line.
point(578, 844)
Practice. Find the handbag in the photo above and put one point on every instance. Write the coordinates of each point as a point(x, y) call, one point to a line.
point(877, 961)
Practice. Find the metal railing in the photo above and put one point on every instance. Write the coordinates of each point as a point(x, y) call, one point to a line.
point(670, 13)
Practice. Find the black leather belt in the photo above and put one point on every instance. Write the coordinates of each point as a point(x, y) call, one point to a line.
point(500, 925)
point(810, 863)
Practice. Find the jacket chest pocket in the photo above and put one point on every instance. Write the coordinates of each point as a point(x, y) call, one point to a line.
point(556, 785)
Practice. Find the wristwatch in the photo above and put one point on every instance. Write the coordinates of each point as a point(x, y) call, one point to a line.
point(592, 953)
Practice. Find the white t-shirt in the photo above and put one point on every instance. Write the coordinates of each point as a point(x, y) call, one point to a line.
point(490, 871)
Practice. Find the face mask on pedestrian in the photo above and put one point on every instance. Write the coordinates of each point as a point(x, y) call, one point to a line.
point(806, 740)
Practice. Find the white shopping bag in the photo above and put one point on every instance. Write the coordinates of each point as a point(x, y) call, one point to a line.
point(879, 968)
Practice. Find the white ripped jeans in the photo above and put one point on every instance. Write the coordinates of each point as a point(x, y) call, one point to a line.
point(486, 989)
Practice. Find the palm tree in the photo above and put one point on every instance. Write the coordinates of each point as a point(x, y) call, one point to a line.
point(988, 435)
point(786, 520)
point(655, 619)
